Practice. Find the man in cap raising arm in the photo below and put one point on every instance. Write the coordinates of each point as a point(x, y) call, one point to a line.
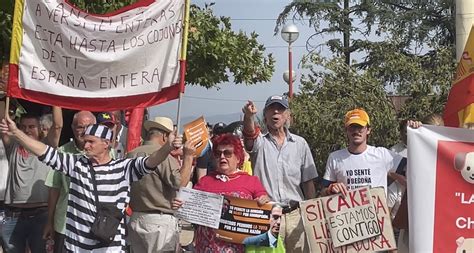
point(58, 183)
point(94, 170)
point(153, 228)
point(284, 164)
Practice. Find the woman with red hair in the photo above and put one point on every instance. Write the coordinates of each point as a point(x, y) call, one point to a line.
point(228, 180)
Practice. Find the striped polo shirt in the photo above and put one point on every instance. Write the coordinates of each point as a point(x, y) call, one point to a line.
point(113, 186)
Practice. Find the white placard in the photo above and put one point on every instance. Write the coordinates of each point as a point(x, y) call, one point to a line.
point(202, 208)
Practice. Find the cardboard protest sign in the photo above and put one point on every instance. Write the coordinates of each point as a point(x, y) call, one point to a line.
point(351, 218)
point(67, 57)
point(196, 132)
point(317, 226)
point(441, 216)
point(242, 218)
point(202, 208)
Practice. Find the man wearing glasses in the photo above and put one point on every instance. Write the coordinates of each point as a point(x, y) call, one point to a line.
point(360, 164)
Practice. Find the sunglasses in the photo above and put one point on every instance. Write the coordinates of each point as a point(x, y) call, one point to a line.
point(228, 153)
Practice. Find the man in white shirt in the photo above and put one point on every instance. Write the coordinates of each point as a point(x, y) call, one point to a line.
point(360, 164)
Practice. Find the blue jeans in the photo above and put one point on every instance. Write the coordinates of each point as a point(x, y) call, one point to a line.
point(18, 231)
point(2, 219)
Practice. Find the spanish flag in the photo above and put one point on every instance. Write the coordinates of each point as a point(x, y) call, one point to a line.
point(126, 59)
point(459, 109)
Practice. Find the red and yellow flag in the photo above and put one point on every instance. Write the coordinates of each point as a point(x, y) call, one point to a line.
point(459, 109)
point(66, 57)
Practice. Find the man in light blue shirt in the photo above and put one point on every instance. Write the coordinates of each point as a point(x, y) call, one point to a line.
point(284, 164)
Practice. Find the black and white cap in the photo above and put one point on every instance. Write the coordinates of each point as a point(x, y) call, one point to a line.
point(100, 131)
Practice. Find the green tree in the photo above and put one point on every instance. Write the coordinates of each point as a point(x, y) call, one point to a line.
point(404, 48)
point(216, 52)
point(330, 90)
point(413, 24)
point(6, 10)
point(382, 30)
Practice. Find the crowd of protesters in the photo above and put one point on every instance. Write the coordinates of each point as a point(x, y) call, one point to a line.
point(55, 195)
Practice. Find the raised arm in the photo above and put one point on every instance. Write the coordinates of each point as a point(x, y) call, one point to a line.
point(5, 138)
point(8, 128)
point(160, 155)
point(249, 111)
point(54, 133)
point(186, 167)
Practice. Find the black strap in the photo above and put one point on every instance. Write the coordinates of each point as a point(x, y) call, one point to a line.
point(94, 186)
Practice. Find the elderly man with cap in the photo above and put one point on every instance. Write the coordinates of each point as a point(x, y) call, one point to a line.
point(97, 181)
point(58, 183)
point(284, 164)
point(152, 226)
point(359, 164)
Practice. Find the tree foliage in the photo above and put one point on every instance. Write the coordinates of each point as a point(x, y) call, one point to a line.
point(412, 23)
point(216, 52)
point(327, 94)
point(404, 48)
point(6, 10)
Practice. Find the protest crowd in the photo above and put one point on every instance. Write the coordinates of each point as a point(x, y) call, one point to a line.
point(54, 194)
point(78, 175)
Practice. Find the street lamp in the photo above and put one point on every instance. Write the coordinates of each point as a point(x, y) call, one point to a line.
point(290, 34)
point(286, 76)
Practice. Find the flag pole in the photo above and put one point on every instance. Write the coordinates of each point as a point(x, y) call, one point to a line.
point(182, 61)
point(7, 107)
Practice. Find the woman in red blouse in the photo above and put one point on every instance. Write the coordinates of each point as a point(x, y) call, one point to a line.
point(228, 180)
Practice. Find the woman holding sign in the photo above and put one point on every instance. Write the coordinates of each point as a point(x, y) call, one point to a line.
point(228, 180)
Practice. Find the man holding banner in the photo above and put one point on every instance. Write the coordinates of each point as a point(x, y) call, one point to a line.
point(26, 196)
point(96, 180)
point(152, 226)
point(360, 164)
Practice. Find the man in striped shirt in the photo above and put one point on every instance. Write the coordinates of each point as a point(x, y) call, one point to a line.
point(113, 179)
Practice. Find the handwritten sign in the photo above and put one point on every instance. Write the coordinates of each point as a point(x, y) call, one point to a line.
point(242, 218)
point(317, 225)
point(351, 218)
point(196, 132)
point(67, 52)
point(202, 208)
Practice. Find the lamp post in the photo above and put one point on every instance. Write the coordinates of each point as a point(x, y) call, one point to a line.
point(290, 34)
point(286, 76)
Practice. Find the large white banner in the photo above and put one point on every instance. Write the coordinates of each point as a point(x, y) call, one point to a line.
point(67, 52)
point(441, 189)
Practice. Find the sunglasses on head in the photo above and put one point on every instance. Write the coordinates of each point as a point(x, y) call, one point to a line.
point(228, 153)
